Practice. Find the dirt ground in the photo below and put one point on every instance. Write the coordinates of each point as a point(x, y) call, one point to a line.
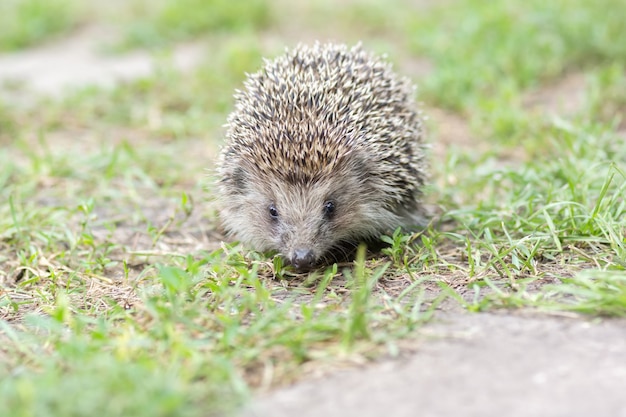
point(52, 68)
point(511, 363)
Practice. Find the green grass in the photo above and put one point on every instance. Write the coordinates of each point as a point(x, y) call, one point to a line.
point(136, 23)
point(26, 22)
point(114, 280)
point(521, 45)
point(156, 23)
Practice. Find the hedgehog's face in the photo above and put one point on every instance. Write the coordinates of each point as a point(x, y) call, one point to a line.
point(308, 223)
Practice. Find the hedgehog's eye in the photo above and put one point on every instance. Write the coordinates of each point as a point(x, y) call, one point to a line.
point(273, 212)
point(329, 209)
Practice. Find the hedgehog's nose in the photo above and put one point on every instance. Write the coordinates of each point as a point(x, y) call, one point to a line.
point(303, 259)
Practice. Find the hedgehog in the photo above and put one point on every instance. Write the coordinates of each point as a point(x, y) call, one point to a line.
point(324, 150)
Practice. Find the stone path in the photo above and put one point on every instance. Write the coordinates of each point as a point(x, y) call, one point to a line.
point(478, 365)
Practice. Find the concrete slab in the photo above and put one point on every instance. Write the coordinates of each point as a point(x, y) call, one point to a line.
point(478, 365)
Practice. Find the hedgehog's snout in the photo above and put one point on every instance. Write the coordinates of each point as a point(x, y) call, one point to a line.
point(303, 259)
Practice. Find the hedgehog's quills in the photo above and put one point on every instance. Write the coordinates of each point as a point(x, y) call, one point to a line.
point(324, 150)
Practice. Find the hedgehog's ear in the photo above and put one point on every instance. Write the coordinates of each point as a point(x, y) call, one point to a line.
point(237, 180)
